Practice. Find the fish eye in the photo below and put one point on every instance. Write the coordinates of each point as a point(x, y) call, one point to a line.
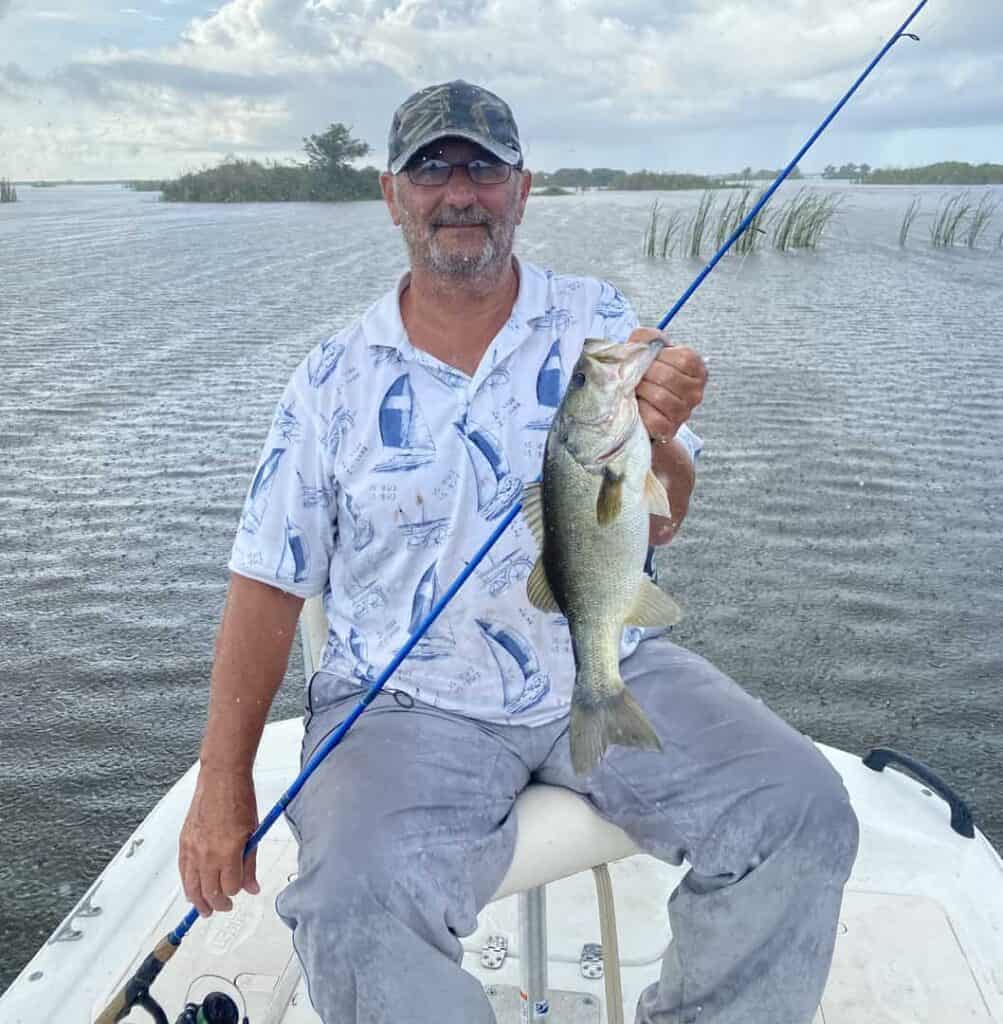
point(577, 380)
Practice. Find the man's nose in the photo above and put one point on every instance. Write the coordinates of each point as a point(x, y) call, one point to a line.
point(460, 190)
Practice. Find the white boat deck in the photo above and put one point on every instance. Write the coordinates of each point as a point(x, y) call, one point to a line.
point(920, 935)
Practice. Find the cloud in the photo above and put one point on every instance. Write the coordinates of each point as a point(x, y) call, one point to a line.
point(631, 83)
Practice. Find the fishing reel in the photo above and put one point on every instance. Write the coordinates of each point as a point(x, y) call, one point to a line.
point(216, 1008)
point(204, 1004)
point(213, 1000)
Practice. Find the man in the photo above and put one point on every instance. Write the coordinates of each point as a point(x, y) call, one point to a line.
point(396, 447)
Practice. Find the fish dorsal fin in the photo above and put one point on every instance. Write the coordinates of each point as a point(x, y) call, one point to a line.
point(653, 607)
point(656, 496)
point(532, 509)
point(538, 589)
point(610, 500)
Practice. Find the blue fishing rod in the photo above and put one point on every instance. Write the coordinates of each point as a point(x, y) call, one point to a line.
point(136, 992)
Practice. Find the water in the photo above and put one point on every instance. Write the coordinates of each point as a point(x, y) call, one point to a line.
point(841, 560)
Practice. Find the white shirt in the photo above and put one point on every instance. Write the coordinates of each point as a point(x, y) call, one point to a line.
point(386, 469)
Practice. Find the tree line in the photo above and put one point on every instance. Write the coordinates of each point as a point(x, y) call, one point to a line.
point(949, 172)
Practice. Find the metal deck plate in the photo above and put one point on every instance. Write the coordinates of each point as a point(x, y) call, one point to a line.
point(565, 1007)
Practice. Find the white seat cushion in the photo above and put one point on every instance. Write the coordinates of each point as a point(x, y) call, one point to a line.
point(559, 834)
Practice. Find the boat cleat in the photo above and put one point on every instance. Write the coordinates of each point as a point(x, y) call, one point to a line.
point(494, 951)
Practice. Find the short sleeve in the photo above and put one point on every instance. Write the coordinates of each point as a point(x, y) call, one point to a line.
point(289, 524)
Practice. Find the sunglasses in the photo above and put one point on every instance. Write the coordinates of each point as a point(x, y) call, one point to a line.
point(434, 172)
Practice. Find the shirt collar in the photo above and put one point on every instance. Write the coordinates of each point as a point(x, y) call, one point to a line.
point(384, 328)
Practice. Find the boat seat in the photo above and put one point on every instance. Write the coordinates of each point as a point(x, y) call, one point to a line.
point(558, 834)
point(545, 853)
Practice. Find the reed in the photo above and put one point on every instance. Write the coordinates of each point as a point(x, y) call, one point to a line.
point(695, 229)
point(735, 210)
point(8, 193)
point(949, 220)
point(673, 222)
point(801, 222)
point(651, 231)
point(981, 216)
point(910, 215)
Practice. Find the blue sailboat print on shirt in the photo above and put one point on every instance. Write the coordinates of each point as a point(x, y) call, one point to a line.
point(612, 304)
point(523, 684)
point(362, 525)
point(362, 669)
point(321, 365)
point(556, 317)
point(261, 486)
point(439, 641)
point(403, 429)
point(548, 388)
point(294, 564)
point(497, 486)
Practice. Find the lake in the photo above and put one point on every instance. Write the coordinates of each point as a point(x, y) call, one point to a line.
point(842, 558)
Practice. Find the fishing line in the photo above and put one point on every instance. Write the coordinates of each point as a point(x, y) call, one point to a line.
point(136, 992)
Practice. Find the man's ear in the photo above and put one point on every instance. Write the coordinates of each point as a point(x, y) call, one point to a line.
point(389, 196)
point(525, 184)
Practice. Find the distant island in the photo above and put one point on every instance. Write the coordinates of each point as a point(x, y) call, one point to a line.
point(328, 176)
point(950, 172)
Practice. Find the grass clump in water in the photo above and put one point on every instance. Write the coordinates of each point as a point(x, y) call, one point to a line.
point(801, 222)
point(651, 245)
point(736, 209)
point(693, 242)
point(8, 193)
point(910, 215)
point(949, 220)
point(981, 216)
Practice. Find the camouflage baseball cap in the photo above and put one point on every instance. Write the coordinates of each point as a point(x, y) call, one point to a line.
point(453, 109)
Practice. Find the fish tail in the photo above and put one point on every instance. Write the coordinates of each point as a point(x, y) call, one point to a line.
point(595, 724)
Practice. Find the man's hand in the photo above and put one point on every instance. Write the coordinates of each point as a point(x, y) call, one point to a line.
point(671, 389)
point(666, 397)
point(222, 816)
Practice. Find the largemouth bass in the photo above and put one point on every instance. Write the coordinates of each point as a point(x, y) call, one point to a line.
point(589, 514)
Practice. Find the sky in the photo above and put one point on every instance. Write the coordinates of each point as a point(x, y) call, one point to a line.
point(153, 88)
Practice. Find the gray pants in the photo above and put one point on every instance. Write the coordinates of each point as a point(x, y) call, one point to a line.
point(405, 833)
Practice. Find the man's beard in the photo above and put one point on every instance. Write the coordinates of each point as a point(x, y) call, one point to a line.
point(425, 251)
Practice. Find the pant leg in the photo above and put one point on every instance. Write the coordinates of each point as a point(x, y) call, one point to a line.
point(405, 833)
point(765, 824)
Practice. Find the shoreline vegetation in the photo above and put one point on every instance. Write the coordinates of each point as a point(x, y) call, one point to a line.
point(328, 176)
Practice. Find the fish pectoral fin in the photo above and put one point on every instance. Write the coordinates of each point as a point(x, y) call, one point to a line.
point(538, 589)
point(532, 510)
point(610, 500)
point(656, 496)
point(653, 607)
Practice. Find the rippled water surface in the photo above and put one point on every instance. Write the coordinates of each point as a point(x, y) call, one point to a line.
point(842, 558)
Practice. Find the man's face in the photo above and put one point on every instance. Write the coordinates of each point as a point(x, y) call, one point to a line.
point(459, 230)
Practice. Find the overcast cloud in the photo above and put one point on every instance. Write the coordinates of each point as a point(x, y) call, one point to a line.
point(154, 87)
